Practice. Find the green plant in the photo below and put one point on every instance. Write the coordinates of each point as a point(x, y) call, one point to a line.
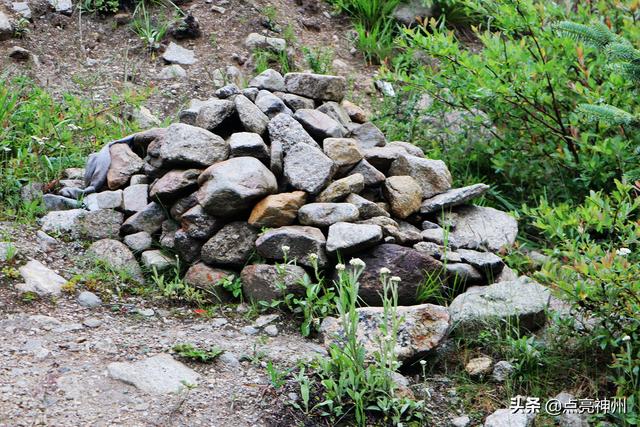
point(150, 31)
point(175, 288)
point(100, 6)
point(276, 376)
point(264, 59)
point(232, 284)
point(318, 59)
point(189, 351)
point(21, 28)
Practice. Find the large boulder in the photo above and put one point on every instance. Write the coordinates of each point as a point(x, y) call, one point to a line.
point(412, 267)
point(521, 302)
point(316, 86)
point(186, 145)
point(453, 197)
point(423, 327)
point(403, 194)
point(263, 282)
point(233, 245)
point(476, 227)
point(347, 238)
point(277, 210)
point(232, 186)
point(433, 176)
point(117, 256)
point(124, 164)
point(299, 243)
point(307, 168)
point(319, 125)
point(325, 214)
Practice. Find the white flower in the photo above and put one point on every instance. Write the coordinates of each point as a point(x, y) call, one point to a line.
point(285, 248)
point(313, 257)
point(357, 262)
point(423, 362)
point(395, 279)
point(626, 338)
point(340, 267)
point(623, 251)
point(385, 270)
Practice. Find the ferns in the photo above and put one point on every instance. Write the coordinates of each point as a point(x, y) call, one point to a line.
point(597, 35)
point(609, 114)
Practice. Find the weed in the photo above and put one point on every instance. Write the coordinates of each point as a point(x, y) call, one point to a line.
point(264, 59)
point(175, 288)
point(232, 284)
point(148, 29)
point(190, 352)
point(319, 59)
point(276, 376)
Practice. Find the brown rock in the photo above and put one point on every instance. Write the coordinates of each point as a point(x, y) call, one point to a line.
point(277, 210)
point(208, 279)
point(124, 164)
point(355, 112)
point(403, 194)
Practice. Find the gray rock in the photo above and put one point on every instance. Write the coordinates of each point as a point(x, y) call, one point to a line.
point(168, 234)
point(251, 93)
point(319, 125)
point(89, 299)
point(336, 112)
point(371, 175)
point(186, 145)
point(46, 242)
point(214, 113)
point(476, 227)
point(249, 330)
point(271, 330)
point(295, 102)
point(100, 224)
point(149, 219)
point(189, 114)
point(412, 13)
point(383, 157)
point(368, 135)
point(270, 104)
point(182, 206)
point(186, 246)
point(74, 173)
point(411, 149)
point(144, 117)
point(159, 374)
point(172, 72)
point(155, 259)
point(252, 119)
point(460, 276)
point(385, 88)
point(521, 301)
point(92, 322)
point(403, 194)
point(53, 202)
point(104, 200)
point(262, 282)
point(40, 279)
point(504, 418)
point(432, 175)
point(338, 190)
point(176, 54)
point(347, 238)
point(268, 80)
point(32, 191)
point(117, 256)
point(62, 6)
point(502, 370)
point(232, 245)
point(316, 86)
point(285, 130)
point(344, 152)
point(258, 41)
point(325, 214)
point(568, 418)
point(366, 208)
point(135, 198)
point(307, 168)
point(422, 329)
point(22, 9)
point(454, 197)
point(462, 421)
point(234, 185)
point(198, 224)
point(302, 241)
point(174, 184)
point(488, 263)
point(228, 91)
point(7, 251)
point(247, 144)
point(138, 242)
point(62, 222)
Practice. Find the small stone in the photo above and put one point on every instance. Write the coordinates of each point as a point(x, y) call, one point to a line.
point(159, 374)
point(344, 152)
point(62, 222)
point(53, 202)
point(214, 113)
point(100, 224)
point(338, 190)
point(260, 281)
point(155, 259)
point(295, 102)
point(356, 113)
point(505, 418)
point(366, 208)
point(271, 330)
point(177, 54)
point(249, 330)
point(22, 9)
point(138, 179)
point(462, 421)
point(270, 104)
point(433, 176)
point(569, 417)
point(479, 366)
point(138, 242)
point(46, 242)
point(232, 245)
point(326, 214)
point(258, 41)
point(228, 91)
point(287, 131)
point(89, 299)
point(92, 322)
point(124, 164)
point(104, 200)
point(146, 312)
point(476, 227)
point(172, 72)
point(368, 136)
point(404, 195)
point(40, 279)
point(408, 147)
point(336, 112)
point(502, 371)
point(188, 146)
point(371, 175)
point(247, 144)
point(347, 238)
point(117, 256)
point(62, 6)
point(174, 184)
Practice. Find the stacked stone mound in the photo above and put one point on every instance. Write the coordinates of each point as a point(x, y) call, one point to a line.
point(288, 169)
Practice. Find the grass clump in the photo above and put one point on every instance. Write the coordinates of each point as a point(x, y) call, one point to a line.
point(191, 352)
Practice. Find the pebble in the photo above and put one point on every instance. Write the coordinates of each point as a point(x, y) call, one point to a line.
point(271, 330)
point(92, 322)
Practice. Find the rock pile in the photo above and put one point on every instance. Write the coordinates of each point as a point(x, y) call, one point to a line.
point(288, 169)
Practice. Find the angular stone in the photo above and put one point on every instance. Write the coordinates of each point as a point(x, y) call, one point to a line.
point(316, 86)
point(338, 190)
point(522, 302)
point(53, 202)
point(295, 102)
point(423, 327)
point(383, 157)
point(347, 238)
point(344, 152)
point(258, 41)
point(233, 245)
point(277, 210)
point(138, 242)
point(432, 175)
point(155, 259)
point(135, 198)
point(262, 282)
point(410, 265)
point(100, 224)
point(270, 104)
point(505, 418)
point(488, 263)
point(325, 214)
point(371, 175)
point(319, 125)
point(502, 371)
point(186, 246)
point(183, 205)
point(460, 276)
point(228, 91)
point(214, 113)
point(62, 222)
point(174, 184)
point(190, 114)
point(116, 256)
point(366, 208)
point(356, 113)
point(159, 374)
point(479, 366)
point(392, 230)
point(124, 164)
point(251, 93)
point(40, 279)
point(168, 234)
point(476, 227)
point(302, 241)
point(252, 119)
point(403, 194)
point(307, 168)
point(201, 276)
point(186, 145)
point(232, 186)
point(171, 72)
point(269, 79)
point(246, 144)
point(454, 197)
point(104, 200)
point(149, 219)
point(336, 112)
point(368, 136)
point(198, 224)
point(285, 130)
point(411, 149)
point(176, 54)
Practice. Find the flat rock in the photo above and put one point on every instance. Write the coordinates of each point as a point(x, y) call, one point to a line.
point(287, 131)
point(319, 125)
point(233, 245)
point(453, 197)
point(54, 202)
point(504, 418)
point(403, 194)
point(258, 41)
point(307, 168)
point(408, 147)
point(433, 176)
point(479, 366)
point(368, 135)
point(366, 208)
point(138, 242)
point(326, 214)
point(252, 119)
point(347, 238)
point(344, 152)
point(316, 86)
point(263, 282)
point(104, 200)
point(62, 6)
point(117, 256)
point(155, 259)
point(135, 198)
point(338, 190)
point(301, 242)
point(277, 210)
point(149, 219)
point(62, 222)
point(269, 79)
point(100, 224)
point(295, 102)
point(184, 145)
point(423, 327)
point(247, 144)
point(522, 300)
point(476, 227)
point(176, 54)
point(488, 263)
point(172, 72)
point(159, 374)
point(174, 184)
point(40, 279)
